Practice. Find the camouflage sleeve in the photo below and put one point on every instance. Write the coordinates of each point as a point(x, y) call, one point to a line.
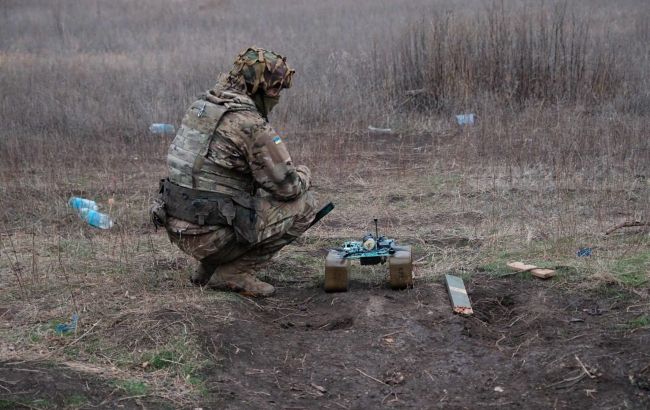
point(272, 167)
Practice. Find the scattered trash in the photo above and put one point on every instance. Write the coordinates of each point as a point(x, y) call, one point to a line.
point(87, 210)
point(159, 128)
point(76, 202)
point(465, 119)
point(534, 270)
point(582, 252)
point(380, 130)
point(458, 295)
point(415, 92)
point(95, 218)
point(499, 389)
point(594, 311)
point(64, 328)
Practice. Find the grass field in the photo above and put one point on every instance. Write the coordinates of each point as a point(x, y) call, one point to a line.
point(559, 155)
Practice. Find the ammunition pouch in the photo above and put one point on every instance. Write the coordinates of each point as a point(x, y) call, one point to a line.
point(211, 208)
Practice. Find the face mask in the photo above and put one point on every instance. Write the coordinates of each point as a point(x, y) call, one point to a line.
point(270, 102)
point(265, 104)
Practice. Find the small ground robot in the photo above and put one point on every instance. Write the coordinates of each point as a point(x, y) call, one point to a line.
point(371, 250)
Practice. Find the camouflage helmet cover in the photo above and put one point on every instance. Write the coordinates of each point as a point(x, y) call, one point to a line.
point(257, 69)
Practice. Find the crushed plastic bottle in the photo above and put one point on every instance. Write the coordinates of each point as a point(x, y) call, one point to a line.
point(465, 119)
point(379, 130)
point(96, 219)
point(583, 252)
point(78, 203)
point(159, 128)
point(64, 328)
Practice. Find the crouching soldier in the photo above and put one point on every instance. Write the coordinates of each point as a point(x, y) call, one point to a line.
point(234, 197)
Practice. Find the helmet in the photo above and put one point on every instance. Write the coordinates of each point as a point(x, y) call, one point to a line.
point(257, 70)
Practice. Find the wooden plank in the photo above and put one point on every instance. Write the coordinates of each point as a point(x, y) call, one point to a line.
point(543, 273)
point(458, 295)
point(534, 270)
point(520, 266)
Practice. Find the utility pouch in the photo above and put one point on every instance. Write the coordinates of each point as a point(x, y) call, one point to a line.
point(213, 208)
point(195, 206)
point(246, 221)
point(263, 217)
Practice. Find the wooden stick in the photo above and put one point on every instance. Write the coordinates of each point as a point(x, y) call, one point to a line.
point(584, 368)
point(626, 224)
point(369, 376)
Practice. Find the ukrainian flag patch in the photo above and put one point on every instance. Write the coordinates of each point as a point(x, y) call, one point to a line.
point(277, 140)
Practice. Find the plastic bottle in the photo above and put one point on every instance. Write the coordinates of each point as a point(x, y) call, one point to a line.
point(465, 119)
point(79, 203)
point(159, 128)
point(96, 219)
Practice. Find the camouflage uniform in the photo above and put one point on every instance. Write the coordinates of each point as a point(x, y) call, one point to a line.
point(226, 147)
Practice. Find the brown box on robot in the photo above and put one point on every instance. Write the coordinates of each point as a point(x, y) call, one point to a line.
point(337, 272)
point(401, 268)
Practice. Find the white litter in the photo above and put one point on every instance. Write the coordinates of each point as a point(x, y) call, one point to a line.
point(465, 119)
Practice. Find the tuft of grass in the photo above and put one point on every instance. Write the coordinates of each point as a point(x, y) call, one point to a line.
point(633, 271)
point(42, 403)
point(133, 387)
point(35, 337)
point(32, 404)
point(639, 322)
point(179, 356)
point(76, 401)
point(164, 359)
point(7, 404)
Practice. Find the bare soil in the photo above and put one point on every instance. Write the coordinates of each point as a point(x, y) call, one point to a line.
point(45, 385)
point(529, 344)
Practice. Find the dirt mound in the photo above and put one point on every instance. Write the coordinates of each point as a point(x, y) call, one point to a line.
point(528, 345)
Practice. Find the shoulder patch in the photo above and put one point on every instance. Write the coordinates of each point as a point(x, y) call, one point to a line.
point(277, 140)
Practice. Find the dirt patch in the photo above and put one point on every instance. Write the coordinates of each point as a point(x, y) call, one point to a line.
point(46, 385)
point(529, 344)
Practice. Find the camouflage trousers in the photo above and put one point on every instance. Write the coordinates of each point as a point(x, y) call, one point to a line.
point(217, 246)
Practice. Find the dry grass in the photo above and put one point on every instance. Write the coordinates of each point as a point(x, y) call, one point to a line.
point(559, 154)
point(105, 71)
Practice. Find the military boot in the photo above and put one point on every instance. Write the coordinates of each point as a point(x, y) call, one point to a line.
point(242, 282)
point(202, 274)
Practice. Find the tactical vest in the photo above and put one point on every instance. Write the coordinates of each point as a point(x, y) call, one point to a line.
point(187, 159)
